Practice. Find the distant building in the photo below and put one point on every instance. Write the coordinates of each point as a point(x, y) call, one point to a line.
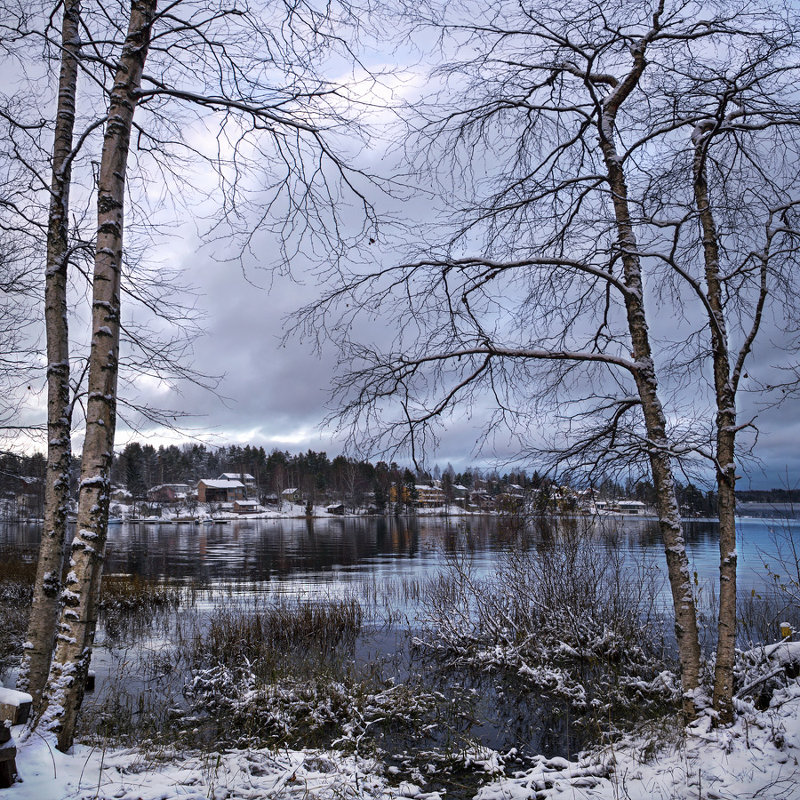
point(510, 502)
point(168, 493)
point(245, 506)
point(399, 494)
point(481, 501)
point(635, 507)
point(291, 495)
point(429, 496)
point(120, 495)
point(243, 477)
point(219, 491)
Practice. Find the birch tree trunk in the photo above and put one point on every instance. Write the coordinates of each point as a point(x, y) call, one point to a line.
point(78, 619)
point(38, 647)
point(647, 385)
point(725, 394)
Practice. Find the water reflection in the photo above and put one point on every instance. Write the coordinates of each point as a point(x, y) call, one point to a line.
point(279, 553)
point(312, 558)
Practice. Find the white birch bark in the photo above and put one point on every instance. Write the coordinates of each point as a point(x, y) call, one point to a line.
point(647, 385)
point(78, 619)
point(725, 394)
point(38, 647)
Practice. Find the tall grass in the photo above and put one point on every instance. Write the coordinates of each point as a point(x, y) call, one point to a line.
point(129, 604)
point(260, 632)
point(17, 573)
point(566, 616)
point(266, 672)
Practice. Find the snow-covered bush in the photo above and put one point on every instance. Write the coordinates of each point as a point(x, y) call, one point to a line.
point(237, 708)
point(763, 670)
point(285, 673)
point(282, 672)
point(564, 615)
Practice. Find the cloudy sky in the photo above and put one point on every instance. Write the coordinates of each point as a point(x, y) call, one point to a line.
point(274, 392)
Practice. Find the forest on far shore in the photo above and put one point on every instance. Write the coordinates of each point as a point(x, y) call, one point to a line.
point(139, 467)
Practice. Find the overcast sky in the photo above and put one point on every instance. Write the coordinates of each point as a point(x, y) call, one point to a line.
point(274, 393)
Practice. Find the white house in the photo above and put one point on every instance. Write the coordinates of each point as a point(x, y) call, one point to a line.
point(245, 477)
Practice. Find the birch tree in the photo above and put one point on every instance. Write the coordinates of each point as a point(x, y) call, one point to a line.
point(76, 627)
point(19, 213)
point(37, 209)
point(749, 247)
point(20, 229)
point(574, 275)
point(35, 663)
point(275, 142)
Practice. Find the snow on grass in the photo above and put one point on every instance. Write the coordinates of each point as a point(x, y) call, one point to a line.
point(755, 758)
point(758, 757)
point(247, 774)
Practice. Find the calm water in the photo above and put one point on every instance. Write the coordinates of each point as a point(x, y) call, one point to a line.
point(316, 558)
point(324, 555)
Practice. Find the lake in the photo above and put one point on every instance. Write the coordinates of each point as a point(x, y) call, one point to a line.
point(309, 556)
point(381, 558)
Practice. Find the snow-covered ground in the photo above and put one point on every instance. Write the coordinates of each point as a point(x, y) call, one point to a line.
point(755, 758)
point(131, 775)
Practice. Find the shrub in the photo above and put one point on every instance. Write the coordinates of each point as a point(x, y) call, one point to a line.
point(566, 615)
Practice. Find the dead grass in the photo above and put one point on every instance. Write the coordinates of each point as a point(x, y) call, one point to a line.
point(258, 630)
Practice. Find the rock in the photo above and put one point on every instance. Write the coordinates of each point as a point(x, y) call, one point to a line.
point(15, 706)
point(8, 764)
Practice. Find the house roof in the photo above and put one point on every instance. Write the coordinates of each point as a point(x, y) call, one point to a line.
point(289, 491)
point(217, 484)
point(236, 476)
point(246, 503)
